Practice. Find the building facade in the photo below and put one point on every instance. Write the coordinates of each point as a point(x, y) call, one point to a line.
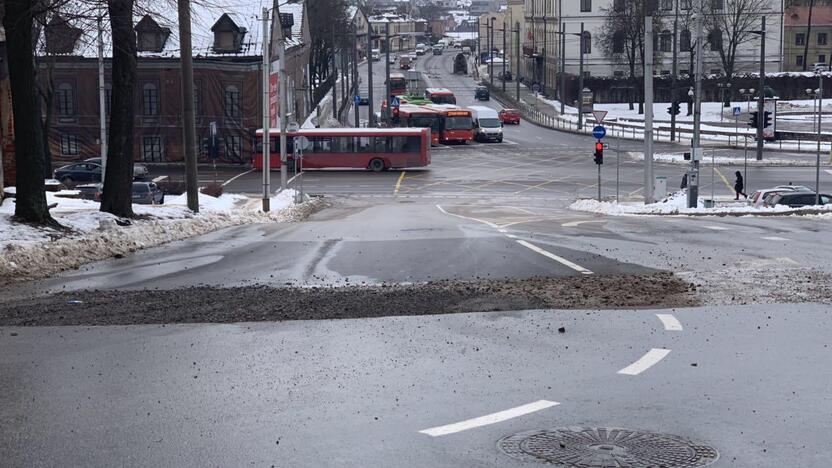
point(405, 31)
point(797, 36)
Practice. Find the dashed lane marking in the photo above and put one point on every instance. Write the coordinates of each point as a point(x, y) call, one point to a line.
point(554, 257)
point(577, 223)
point(236, 177)
point(651, 358)
point(488, 419)
point(399, 183)
point(775, 238)
point(716, 228)
point(670, 322)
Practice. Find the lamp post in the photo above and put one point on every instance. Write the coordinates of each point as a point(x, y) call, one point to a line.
point(747, 93)
point(723, 87)
point(491, 49)
point(817, 95)
point(580, 75)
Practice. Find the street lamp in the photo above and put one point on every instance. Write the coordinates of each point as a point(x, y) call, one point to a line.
point(491, 49)
point(693, 178)
point(817, 94)
point(747, 94)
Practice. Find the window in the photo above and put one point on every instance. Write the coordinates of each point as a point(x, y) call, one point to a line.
point(618, 5)
point(716, 71)
point(821, 38)
point(150, 99)
point(152, 148)
point(665, 72)
point(717, 4)
point(665, 41)
point(715, 39)
point(799, 39)
point(684, 41)
point(587, 74)
point(822, 58)
point(234, 147)
point(686, 4)
point(586, 5)
point(69, 144)
point(232, 102)
point(667, 4)
point(798, 60)
point(66, 100)
point(196, 98)
point(586, 43)
point(618, 40)
point(108, 98)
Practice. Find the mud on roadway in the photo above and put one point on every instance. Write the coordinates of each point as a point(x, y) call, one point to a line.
point(261, 303)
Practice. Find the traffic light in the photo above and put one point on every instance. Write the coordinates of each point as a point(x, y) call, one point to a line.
point(674, 108)
point(766, 119)
point(752, 121)
point(599, 152)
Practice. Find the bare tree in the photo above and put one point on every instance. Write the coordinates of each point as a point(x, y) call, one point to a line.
point(327, 19)
point(808, 33)
point(731, 24)
point(622, 39)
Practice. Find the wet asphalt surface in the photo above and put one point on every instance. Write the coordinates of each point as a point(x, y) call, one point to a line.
point(347, 334)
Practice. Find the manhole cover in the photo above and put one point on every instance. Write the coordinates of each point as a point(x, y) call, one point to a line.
point(608, 447)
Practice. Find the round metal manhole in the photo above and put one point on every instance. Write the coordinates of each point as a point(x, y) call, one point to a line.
point(596, 447)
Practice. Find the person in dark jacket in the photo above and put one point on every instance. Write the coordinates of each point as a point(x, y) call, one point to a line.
point(684, 181)
point(739, 186)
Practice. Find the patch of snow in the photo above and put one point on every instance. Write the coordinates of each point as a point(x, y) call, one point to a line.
point(678, 158)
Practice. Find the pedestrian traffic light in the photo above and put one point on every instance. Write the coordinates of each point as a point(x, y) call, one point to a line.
point(752, 121)
point(599, 152)
point(674, 108)
point(766, 119)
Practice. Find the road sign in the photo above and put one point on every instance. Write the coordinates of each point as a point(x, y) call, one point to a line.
point(599, 132)
point(357, 100)
point(599, 116)
point(737, 111)
point(394, 101)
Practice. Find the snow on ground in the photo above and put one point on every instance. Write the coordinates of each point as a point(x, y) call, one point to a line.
point(676, 204)
point(28, 252)
point(678, 158)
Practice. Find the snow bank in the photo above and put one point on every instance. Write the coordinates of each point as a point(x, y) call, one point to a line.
point(678, 158)
point(676, 204)
point(27, 252)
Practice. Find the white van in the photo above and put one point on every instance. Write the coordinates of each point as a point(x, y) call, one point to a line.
point(375, 54)
point(487, 125)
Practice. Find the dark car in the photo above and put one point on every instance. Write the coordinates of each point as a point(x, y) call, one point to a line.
point(482, 94)
point(140, 171)
point(79, 172)
point(797, 199)
point(363, 101)
point(505, 77)
point(90, 191)
point(147, 193)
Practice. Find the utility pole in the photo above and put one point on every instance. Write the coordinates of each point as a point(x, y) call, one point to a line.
point(504, 56)
point(648, 108)
point(267, 118)
point(491, 50)
point(334, 79)
point(820, 114)
point(371, 117)
point(102, 109)
point(387, 110)
point(517, 60)
point(562, 67)
point(355, 79)
point(282, 80)
point(581, 80)
point(693, 179)
point(675, 72)
point(186, 56)
point(762, 97)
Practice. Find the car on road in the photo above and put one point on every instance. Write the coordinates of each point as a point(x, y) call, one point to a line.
point(758, 198)
point(481, 93)
point(487, 125)
point(511, 116)
point(437, 50)
point(393, 58)
point(375, 54)
point(78, 172)
point(798, 199)
point(421, 49)
point(820, 67)
point(140, 171)
point(363, 101)
point(505, 77)
point(147, 193)
point(405, 62)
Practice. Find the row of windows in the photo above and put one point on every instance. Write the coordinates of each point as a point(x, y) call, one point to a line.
point(800, 39)
point(663, 42)
point(65, 98)
point(351, 144)
point(152, 148)
point(798, 59)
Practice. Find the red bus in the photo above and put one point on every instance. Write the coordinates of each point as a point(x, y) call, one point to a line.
point(420, 117)
point(376, 149)
point(398, 84)
point(440, 96)
point(456, 124)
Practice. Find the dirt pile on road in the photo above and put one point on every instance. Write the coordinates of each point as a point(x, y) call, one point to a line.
point(259, 303)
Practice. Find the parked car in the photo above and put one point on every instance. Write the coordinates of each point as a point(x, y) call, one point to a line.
point(140, 171)
point(375, 54)
point(505, 77)
point(393, 58)
point(481, 93)
point(820, 67)
point(79, 172)
point(758, 198)
point(90, 191)
point(147, 193)
point(510, 116)
point(797, 199)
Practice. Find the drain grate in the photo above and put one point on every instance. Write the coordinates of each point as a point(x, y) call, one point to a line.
point(597, 447)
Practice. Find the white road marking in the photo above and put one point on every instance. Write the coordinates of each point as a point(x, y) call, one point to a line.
point(160, 178)
point(828, 170)
point(716, 228)
point(510, 142)
point(466, 217)
point(298, 175)
point(774, 238)
point(502, 230)
point(645, 362)
point(576, 223)
point(557, 258)
point(236, 176)
point(511, 236)
point(670, 322)
point(492, 418)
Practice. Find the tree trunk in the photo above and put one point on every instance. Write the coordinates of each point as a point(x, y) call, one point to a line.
point(30, 199)
point(808, 34)
point(118, 186)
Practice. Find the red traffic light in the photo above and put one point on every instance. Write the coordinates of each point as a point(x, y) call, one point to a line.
point(599, 147)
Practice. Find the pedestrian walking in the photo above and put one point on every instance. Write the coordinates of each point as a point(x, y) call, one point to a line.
point(739, 186)
point(684, 181)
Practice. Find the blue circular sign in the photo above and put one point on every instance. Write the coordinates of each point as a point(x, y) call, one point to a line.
point(599, 131)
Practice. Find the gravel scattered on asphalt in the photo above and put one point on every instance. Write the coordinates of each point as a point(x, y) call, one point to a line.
point(261, 303)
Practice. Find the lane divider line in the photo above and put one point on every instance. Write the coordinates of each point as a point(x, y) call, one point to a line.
point(160, 178)
point(670, 322)
point(236, 177)
point(716, 228)
point(554, 257)
point(466, 217)
point(645, 362)
point(399, 183)
point(488, 419)
point(774, 238)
